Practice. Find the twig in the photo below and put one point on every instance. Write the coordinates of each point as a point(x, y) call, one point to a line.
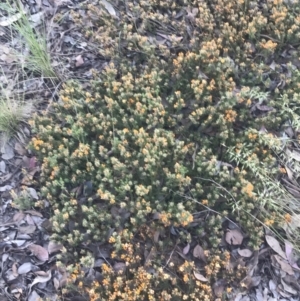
point(170, 257)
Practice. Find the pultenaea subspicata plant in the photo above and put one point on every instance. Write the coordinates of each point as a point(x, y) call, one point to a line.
point(160, 133)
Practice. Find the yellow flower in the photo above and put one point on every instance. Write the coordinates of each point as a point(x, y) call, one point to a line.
point(230, 115)
point(112, 240)
point(248, 189)
point(185, 278)
point(229, 289)
point(269, 45)
point(252, 136)
point(269, 222)
point(204, 202)
point(186, 218)
point(282, 170)
point(288, 218)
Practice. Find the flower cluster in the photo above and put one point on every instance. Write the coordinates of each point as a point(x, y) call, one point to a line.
point(137, 273)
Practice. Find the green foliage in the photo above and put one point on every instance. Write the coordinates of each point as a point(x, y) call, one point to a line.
point(23, 200)
point(174, 131)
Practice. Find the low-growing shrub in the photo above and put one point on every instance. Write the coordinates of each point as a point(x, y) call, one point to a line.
point(169, 131)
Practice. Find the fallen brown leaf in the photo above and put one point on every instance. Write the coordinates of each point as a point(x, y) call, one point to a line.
point(54, 247)
point(79, 61)
point(186, 249)
point(39, 252)
point(25, 268)
point(245, 252)
point(27, 229)
point(156, 236)
point(284, 265)
point(288, 288)
point(15, 269)
point(234, 237)
point(274, 244)
point(56, 283)
point(198, 252)
point(34, 296)
point(41, 279)
point(200, 277)
point(20, 149)
point(218, 287)
point(19, 216)
point(119, 266)
point(34, 213)
point(109, 7)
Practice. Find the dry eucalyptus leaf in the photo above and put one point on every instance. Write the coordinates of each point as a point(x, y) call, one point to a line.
point(41, 273)
point(61, 2)
point(109, 7)
point(19, 216)
point(234, 237)
point(245, 252)
point(98, 263)
point(219, 287)
point(56, 283)
point(289, 173)
point(27, 229)
point(284, 265)
point(79, 61)
point(39, 252)
point(274, 244)
point(2, 166)
point(20, 149)
point(249, 282)
point(54, 247)
point(15, 269)
point(41, 279)
point(291, 255)
point(156, 236)
point(198, 252)
point(288, 288)
point(63, 280)
point(34, 213)
point(36, 18)
point(29, 220)
point(7, 152)
point(33, 193)
point(25, 268)
point(5, 188)
point(119, 266)
point(186, 249)
point(200, 277)
point(34, 296)
point(6, 177)
point(18, 242)
point(283, 293)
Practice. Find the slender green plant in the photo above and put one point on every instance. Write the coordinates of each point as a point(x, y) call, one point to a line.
point(12, 113)
point(38, 59)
